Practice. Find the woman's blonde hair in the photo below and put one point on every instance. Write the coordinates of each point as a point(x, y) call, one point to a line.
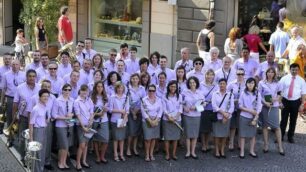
point(234, 34)
point(254, 29)
point(37, 21)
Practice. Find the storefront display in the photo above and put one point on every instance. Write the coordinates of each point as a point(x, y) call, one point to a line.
point(115, 22)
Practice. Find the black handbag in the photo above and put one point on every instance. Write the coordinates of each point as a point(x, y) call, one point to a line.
point(214, 116)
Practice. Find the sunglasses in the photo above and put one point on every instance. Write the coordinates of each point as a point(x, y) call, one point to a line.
point(66, 89)
point(151, 91)
point(52, 68)
point(198, 63)
point(240, 73)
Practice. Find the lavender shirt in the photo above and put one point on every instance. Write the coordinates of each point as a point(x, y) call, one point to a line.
point(152, 69)
point(182, 86)
point(214, 65)
point(169, 72)
point(266, 88)
point(249, 66)
point(39, 116)
point(56, 83)
point(190, 99)
point(136, 94)
point(41, 73)
point(161, 92)
point(227, 104)
point(61, 108)
point(208, 91)
point(229, 75)
point(64, 69)
point(33, 66)
point(11, 81)
point(3, 70)
point(151, 110)
point(172, 106)
point(85, 77)
point(188, 65)
point(237, 88)
point(24, 94)
point(35, 99)
point(125, 77)
point(200, 75)
point(118, 103)
point(83, 109)
point(247, 100)
point(110, 66)
point(131, 65)
point(262, 68)
point(100, 104)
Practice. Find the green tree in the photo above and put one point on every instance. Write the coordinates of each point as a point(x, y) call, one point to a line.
point(49, 10)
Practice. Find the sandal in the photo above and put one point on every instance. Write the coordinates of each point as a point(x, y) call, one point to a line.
point(116, 158)
point(122, 158)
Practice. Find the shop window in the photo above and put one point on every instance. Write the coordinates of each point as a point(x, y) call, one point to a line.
point(116, 21)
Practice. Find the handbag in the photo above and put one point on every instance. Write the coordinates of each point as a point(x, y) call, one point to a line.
point(214, 116)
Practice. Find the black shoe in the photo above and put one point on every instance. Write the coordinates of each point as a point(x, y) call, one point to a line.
point(217, 156)
point(265, 151)
point(241, 157)
point(49, 167)
point(291, 140)
point(79, 169)
point(86, 166)
point(194, 157)
point(23, 163)
point(187, 156)
point(10, 144)
point(282, 153)
point(254, 156)
point(62, 169)
point(231, 150)
point(223, 156)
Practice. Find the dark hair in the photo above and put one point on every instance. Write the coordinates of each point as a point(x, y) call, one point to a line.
point(155, 53)
point(43, 91)
point(294, 65)
point(124, 45)
point(7, 54)
point(19, 31)
point(249, 80)
point(64, 10)
point(82, 42)
point(76, 61)
point(196, 80)
point(144, 60)
point(75, 72)
point(31, 71)
point(133, 75)
point(94, 94)
point(66, 86)
point(163, 57)
point(181, 68)
point(162, 73)
point(101, 73)
point(274, 71)
point(152, 85)
point(245, 48)
point(198, 59)
point(112, 50)
point(222, 80)
point(65, 53)
point(173, 82)
point(241, 69)
point(210, 24)
point(44, 54)
point(133, 48)
point(88, 39)
point(101, 62)
point(142, 75)
point(110, 75)
point(45, 80)
point(83, 87)
point(280, 25)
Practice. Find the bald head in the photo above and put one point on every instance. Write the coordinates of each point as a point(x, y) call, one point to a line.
point(15, 65)
point(270, 57)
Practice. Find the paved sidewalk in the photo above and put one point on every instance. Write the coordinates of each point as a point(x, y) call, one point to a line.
point(8, 163)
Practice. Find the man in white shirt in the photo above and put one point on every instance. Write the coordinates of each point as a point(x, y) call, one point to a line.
point(132, 63)
point(125, 77)
point(294, 42)
point(245, 62)
point(293, 98)
point(226, 71)
point(163, 68)
point(88, 51)
point(79, 55)
point(124, 52)
point(65, 67)
point(279, 40)
point(185, 61)
point(42, 71)
point(36, 61)
point(262, 68)
point(110, 64)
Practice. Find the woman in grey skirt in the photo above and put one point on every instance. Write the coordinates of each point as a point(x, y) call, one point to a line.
point(208, 87)
point(83, 108)
point(250, 106)
point(151, 110)
point(223, 104)
point(119, 109)
point(193, 100)
point(101, 138)
point(136, 92)
point(62, 113)
point(171, 125)
point(269, 116)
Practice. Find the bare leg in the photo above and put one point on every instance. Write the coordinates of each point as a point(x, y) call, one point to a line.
point(115, 149)
point(121, 147)
point(252, 145)
point(242, 142)
point(96, 145)
point(128, 149)
point(193, 146)
point(167, 149)
point(174, 149)
point(232, 138)
point(85, 154)
point(217, 143)
point(147, 147)
point(135, 141)
point(103, 151)
point(278, 135)
point(188, 147)
point(223, 142)
point(265, 138)
point(79, 154)
point(152, 146)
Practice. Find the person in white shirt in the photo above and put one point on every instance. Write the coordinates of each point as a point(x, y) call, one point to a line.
point(279, 40)
point(294, 93)
point(65, 66)
point(110, 64)
point(132, 63)
point(79, 55)
point(124, 52)
point(36, 61)
point(295, 40)
point(198, 64)
point(214, 62)
point(125, 77)
point(163, 68)
point(226, 71)
point(88, 51)
point(42, 71)
point(185, 61)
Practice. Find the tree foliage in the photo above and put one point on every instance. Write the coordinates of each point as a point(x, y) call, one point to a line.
point(49, 10)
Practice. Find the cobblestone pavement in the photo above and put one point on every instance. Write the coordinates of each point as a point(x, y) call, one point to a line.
point(8, 163)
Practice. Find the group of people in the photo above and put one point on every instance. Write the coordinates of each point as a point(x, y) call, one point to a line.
point(90, 102)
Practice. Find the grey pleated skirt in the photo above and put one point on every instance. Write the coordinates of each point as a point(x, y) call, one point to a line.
point(220, 129)
point(62, 137)
point(235, 119)
point(170, 131)
point(245, 129)
point(102, 134)
point(39, 135)
point(269, 119)
point(206, 123)
point(134, 126)
point(191, 126)
point(118, 133)
point(81, 137)
point(150, 132)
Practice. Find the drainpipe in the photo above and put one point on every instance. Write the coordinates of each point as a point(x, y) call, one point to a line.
point(211, 9)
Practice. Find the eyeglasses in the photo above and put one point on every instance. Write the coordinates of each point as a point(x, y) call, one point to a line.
point(66, 89)
point(151, 91)
point(198, 63)
point(240, 74)
point(52, 68)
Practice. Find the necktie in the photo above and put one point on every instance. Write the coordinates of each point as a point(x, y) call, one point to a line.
point(290, 92)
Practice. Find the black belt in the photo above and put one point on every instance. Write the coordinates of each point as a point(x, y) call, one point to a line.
point(9, 96)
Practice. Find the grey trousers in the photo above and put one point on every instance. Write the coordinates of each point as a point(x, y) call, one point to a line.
point(9, 110)
point(39, 135)
point(23, 124)
point(49, 135)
